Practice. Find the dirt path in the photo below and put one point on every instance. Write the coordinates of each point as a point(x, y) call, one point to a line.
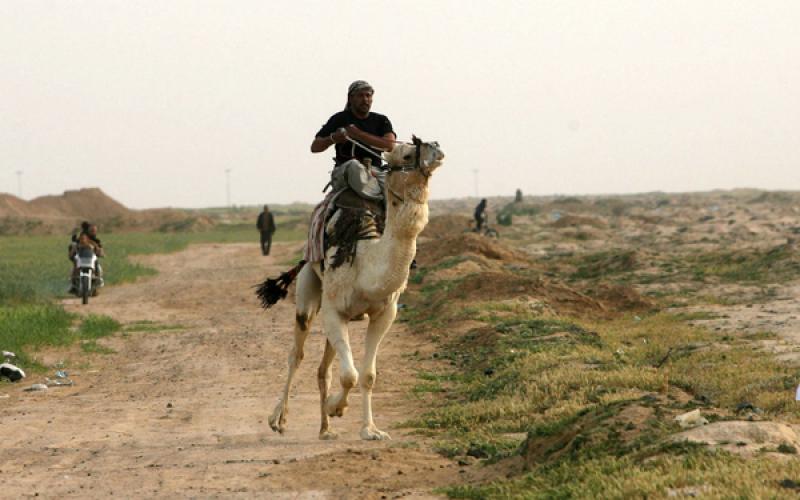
point(182, 412)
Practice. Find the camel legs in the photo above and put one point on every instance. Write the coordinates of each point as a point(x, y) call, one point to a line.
point(335, 327)
point(324, 381)
point(378, 326)
point(309, 290)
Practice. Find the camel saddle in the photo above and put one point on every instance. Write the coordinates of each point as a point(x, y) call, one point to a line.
point(352, 219)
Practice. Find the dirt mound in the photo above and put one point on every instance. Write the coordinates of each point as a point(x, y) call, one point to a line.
point(59, 214)
point(432, 251)
point(622, 298)
point(192, 224)
point(608, 428)
point(502, 285)
point(606, 264)
point(10, 205)
point(88, 203)
point(578, 220)
point(446, 225)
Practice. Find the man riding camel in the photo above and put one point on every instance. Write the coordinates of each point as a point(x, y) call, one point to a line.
point(357, 122)
point(359, 136)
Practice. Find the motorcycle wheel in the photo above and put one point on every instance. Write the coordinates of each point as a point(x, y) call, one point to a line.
point(85, 289)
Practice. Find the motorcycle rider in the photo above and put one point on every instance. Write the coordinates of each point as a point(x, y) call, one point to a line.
point(86, 236)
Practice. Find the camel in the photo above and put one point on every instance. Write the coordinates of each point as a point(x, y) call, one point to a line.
point(371, 284)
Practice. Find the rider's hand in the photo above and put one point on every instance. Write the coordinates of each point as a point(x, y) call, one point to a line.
point(339, 136)
point(353, 131)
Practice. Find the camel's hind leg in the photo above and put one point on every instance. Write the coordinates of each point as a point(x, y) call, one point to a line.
point(324, 381)
point(378, 326)
point(308, 294)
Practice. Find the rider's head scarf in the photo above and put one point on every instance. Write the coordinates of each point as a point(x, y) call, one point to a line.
point(355, 87)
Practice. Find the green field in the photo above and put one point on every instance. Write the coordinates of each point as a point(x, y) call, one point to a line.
point(34, 271)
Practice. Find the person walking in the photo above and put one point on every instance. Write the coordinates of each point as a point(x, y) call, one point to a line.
point(266, 226)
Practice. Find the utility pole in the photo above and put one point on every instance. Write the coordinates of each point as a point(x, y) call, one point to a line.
point(475, 173)
point(19, 183)
point(228, 185)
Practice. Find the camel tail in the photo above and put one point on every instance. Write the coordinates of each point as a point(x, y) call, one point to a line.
point(274, 289)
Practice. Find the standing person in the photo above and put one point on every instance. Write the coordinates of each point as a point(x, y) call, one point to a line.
point(266, 226)
point(480, 215)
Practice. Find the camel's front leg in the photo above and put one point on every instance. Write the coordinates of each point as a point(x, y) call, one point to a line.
point(336, 330)
point(324, 382)
point(378, 326)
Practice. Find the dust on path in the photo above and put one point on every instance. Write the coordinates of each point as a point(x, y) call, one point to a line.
point(183, 412)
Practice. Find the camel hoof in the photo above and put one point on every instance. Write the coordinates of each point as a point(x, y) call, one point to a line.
point(336, 411)
point(328, 435)
point(374, 435)
point(334, 407)
point(277, 424)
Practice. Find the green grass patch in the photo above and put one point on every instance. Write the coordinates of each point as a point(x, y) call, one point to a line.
point(775, 265)
point(92, 347)
point(595, 397)
point(26, 328)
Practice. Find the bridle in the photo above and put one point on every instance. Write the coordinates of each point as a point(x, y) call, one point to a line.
point(404, 167)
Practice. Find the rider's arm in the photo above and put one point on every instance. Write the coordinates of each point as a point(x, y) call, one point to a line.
point(321, 143)
point(386, 142)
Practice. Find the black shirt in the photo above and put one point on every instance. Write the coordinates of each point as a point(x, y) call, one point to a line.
point(375, 124)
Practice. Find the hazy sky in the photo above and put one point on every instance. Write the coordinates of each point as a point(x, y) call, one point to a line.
point(153, 100)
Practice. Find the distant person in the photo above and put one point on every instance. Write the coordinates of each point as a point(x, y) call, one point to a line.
point(480, 215)
point(266, 226)
point(518, 196)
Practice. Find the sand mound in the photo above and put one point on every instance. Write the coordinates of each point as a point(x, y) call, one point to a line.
point(622, 298)
point(577, 221)
point(613, 427)
point(87, 203)
point(60, 214)
point(503, 285)
point(446, 225)
point(432, 251)
point(10, 205)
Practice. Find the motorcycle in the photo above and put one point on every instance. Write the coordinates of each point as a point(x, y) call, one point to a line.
point(88, 279)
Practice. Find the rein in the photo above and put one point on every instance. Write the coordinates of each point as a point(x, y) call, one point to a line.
point(405, 167)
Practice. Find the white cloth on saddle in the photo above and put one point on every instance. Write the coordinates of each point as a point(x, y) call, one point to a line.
point(315, 245)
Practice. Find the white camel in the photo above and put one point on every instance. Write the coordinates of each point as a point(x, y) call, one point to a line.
point(371, 285)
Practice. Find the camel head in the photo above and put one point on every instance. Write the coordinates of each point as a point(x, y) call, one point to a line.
point(410, 166)
point(404, 155)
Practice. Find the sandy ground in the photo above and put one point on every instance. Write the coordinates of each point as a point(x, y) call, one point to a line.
point(182, 412)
